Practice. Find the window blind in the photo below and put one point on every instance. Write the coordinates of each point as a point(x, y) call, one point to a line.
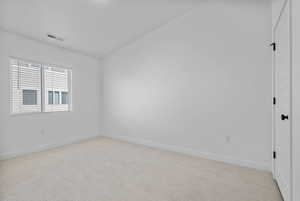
point(39, 88)
point(57, 89)
point(25, 86)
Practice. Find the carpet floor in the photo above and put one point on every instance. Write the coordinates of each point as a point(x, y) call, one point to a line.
point(103, 169)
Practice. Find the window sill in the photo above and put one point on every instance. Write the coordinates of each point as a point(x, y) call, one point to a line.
point(36, 113)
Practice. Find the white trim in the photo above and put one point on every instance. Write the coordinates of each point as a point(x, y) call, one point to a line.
point(194, 152)
point(274, 28)
point(274, 95)
point(286, 5)
point(291, 100)
point(10, 155)
point(295, 109)
point(149, 143)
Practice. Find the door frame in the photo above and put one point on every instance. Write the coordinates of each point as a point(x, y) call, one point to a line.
point(286, 5)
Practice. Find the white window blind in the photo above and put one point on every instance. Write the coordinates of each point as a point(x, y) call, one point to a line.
point(25, 87)
point(57, 87)
point(39, 88)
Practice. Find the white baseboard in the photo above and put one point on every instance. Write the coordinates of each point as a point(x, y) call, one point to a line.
point(149, 143)
point(193, 152)
point(9, 155)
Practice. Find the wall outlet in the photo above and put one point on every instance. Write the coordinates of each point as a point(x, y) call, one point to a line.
point(42, 131)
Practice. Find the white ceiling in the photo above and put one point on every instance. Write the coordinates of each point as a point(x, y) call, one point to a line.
point(93, 27)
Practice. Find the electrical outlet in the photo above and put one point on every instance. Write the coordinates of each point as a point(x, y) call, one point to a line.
point(42, 131)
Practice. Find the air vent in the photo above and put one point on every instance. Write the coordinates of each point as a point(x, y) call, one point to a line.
point(52, 36)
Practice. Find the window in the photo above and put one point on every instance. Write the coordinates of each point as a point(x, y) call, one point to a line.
point(36, 87)
point(57, 84)
point(50, 97)
point(25, 78)
point(29, 97)
point(64, 97)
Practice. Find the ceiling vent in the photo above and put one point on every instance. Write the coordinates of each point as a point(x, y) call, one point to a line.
point(52, 36)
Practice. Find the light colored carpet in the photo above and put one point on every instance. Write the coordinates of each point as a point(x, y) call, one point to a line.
point(108, 170)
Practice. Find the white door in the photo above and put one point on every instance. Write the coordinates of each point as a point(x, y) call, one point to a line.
point(283, 104)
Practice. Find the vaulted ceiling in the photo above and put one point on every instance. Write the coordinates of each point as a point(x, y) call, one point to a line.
point(93, 27)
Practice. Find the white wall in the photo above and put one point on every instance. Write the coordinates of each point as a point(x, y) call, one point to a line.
point(296, 97)
point(26, 133)
point(199, 85)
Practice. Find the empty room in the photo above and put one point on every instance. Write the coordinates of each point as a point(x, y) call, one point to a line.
point(149, 100)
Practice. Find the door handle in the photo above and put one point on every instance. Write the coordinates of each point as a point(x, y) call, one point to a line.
point(284, 117)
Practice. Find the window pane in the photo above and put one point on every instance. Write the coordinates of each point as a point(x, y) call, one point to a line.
point(29, 97)
point(50, 97)
point(56, 97)
point(64, 97)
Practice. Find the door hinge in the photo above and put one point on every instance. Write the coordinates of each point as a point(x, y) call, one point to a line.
point(274, 154)
point(274, 101)
point(274, 46)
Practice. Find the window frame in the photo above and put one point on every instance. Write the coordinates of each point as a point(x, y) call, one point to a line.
point(43, 90)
